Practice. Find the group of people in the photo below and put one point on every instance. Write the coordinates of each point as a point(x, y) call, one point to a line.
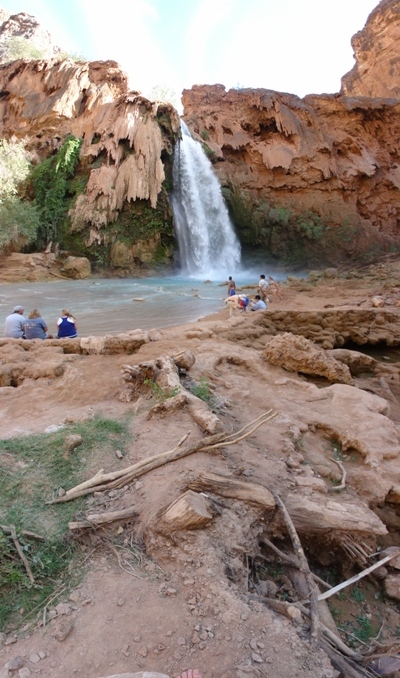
point(261, 299)
point(34, 327)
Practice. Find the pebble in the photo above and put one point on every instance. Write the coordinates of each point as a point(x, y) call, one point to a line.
point(14, 663)
point(257, 658)
point(24, 672)
point(34, 658)
point(10, 640)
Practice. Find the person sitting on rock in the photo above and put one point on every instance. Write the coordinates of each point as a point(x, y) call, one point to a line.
point(35, 327)
point(67, 327)
point(14, 325)
point(258, 304)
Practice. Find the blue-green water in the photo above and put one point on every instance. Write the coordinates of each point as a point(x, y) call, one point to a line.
point(107, 306)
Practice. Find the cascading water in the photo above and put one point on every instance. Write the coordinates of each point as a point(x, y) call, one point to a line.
point(207, 242)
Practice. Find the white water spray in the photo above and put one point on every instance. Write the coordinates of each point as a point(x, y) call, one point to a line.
point(207, 242)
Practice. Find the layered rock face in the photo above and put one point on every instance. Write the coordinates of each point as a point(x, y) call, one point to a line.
point(376, 51)
point(126, 142)
point(324, 167)
point(331, 155)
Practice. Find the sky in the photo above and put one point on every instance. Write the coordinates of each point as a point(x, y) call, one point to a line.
point(296, 46)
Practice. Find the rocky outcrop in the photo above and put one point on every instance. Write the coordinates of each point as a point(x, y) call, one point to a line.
point(319, 173)
point(26, 27)
point(376, 51)
point(297, 354)
point(333, 328)
point(41, 267)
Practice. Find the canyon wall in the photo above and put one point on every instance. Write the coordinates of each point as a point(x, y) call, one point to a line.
point(307, 181)
point(316, 178)
point(119, 209)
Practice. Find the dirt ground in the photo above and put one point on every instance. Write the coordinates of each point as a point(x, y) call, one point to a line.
point(187, 600)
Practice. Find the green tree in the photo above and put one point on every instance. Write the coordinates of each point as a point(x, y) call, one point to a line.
point(165, 94)
point(50, 181)
point(14, 166)
point(19, 222)
point(19, 219)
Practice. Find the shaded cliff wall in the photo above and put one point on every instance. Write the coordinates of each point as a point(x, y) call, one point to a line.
point(125, 156)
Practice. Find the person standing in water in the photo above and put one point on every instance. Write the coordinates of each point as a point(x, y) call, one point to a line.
point(263, 287)
point(231, 287)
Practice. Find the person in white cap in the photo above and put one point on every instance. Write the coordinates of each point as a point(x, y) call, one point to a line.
point(14, 325)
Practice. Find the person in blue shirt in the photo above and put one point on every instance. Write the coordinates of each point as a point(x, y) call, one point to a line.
point(14, 325)
point(35, 327)
point(67, 326)
point(258, 304)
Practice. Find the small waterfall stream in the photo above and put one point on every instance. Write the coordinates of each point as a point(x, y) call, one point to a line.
point(207, 242)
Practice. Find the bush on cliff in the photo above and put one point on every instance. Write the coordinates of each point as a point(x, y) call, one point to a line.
point(19, 222)
point(50, 183)
point(295, 238)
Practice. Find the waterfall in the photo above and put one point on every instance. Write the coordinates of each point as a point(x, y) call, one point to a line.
point(207, 242)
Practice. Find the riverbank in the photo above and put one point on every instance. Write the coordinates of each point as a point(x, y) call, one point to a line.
point(199, 596)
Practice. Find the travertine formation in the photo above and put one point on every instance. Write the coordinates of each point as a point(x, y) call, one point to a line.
point(376, 51)
point(123, 139)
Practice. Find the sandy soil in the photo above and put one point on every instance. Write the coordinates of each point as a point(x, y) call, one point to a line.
point(186, 603)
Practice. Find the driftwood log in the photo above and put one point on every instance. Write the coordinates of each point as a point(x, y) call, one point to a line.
point(226, 486)
point(116, 479)
point(99, 519)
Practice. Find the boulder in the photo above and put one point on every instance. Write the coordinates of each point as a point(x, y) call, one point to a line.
point(77, 268)
point(298, 354)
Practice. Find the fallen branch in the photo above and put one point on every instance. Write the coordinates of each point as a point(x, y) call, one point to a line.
point(280, 605)
point(232, 488)
point(344, 664)
point(290, 560)
point(333, 638)
point(343, 481)
point(10, 529)
point(115, 552)
point(358, 576)
point(117, 479)
point(98, 519)
point(305, 569)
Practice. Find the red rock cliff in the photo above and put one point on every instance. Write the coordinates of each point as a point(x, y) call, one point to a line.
point(333, 157)
point(377, 54)
point(124, 138)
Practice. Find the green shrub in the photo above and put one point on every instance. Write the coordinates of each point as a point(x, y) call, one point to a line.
point(19, 223)
point(21, 48)
point(50, 182)
point(14, 166)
